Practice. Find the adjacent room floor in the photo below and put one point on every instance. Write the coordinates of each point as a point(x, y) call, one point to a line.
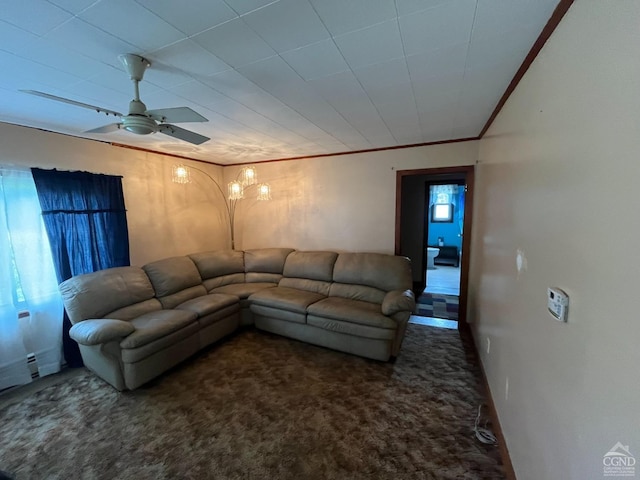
point(443, 279)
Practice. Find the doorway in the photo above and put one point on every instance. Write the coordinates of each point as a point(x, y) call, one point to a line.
point(426, 204)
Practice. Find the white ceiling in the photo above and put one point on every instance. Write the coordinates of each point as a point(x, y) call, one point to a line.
point(276, 79)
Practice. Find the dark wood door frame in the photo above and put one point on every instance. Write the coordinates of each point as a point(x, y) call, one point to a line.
point(468, 173)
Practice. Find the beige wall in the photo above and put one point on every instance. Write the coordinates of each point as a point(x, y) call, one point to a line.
point(346, 202)
point(557, 179)
point(164, 218)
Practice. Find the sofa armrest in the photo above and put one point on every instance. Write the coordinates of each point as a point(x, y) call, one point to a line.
point(97, 331)
point(398, 301)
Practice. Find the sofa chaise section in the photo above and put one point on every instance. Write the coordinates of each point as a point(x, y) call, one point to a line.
point(124, 334)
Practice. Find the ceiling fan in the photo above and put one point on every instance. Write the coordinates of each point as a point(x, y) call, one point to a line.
point(139, 120)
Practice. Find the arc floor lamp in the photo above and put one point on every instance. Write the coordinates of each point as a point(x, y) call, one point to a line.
point(247, 177)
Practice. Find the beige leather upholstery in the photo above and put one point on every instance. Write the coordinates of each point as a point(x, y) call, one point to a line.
point(134, 323)
point(85, 298)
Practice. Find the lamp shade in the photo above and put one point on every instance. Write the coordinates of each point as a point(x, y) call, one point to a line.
point(236, 192)
point(248, 176)
point(264, 191)
point(180, 174)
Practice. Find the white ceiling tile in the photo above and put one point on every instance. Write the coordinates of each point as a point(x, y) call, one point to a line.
point(73, 6)
point(365, 118)
point(189, 57)
point(317, 60)
point(371, 45)
point(352, 92)
point(437, 123)
point(468, 125)
point(383, 75)
point(406, 7)
point(342, 17)
point(35, 16)
point(442, 92)
point(164, 76)
point(61, 58)
point(287, 24)
point(234, 43)
point(100, 96)
point(446, 24)
point(438, 62)
point(81, 37)
point(273, 75)
point(193, 17)
point(17, 70)
point(493, 49)
point(232, 84)
point(118, 80)
point(490, 20)
point(395, 95)
point(245, 6)
point(132, 23)
point(16, 40)
point(339, 88)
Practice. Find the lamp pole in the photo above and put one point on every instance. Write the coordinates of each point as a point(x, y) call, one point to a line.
point(245, 178)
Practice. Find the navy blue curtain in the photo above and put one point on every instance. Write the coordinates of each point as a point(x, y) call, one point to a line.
point(86, 222)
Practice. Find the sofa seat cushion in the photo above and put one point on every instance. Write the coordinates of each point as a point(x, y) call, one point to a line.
point(207, 304)
point(155, 325)
point(353, 311)
point(349, 328)
point(243, 290)
point(278, 314)
point(285, 298)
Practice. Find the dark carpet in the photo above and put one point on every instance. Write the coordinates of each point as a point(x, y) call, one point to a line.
point(259, 406)
point(437, 305)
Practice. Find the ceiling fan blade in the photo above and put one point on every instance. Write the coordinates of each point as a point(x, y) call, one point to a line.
point(182, 134)
point(176, 115)
point(112, 127)
point(72, 102)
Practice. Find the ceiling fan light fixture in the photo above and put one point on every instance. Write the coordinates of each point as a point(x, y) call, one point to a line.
point(139, 124)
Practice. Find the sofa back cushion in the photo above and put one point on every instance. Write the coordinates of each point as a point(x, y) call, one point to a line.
point(219, 268)
point(310, 271)
point(265, 264)
point(97, 294)
point(369, 276)
point(175, 280)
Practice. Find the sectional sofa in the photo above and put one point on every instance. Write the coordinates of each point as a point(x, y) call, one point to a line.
point(133, 323)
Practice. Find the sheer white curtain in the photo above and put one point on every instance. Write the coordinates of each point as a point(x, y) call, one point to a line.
point(28, 285)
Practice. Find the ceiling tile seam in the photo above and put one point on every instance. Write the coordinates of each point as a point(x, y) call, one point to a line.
point(406, 64)
point(250, 11)
point(257, 113)
point(464, 71)
point(355, 76)
point(328, 103)
point(138, 47)
point(80, 79)
point(92, 26)
point(186, 35)
point(69, 11)
point(282, 101)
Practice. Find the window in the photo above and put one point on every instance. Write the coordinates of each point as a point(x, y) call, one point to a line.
point(442, 213)
point(27, 283)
